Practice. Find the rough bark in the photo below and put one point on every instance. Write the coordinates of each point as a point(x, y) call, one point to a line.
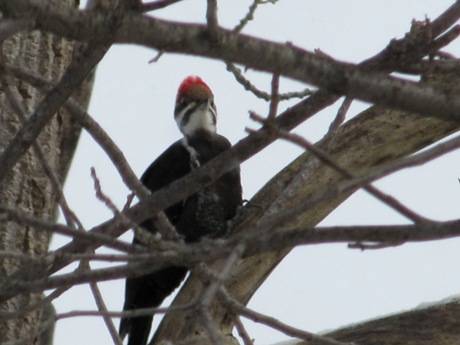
point(433, 325)
point(373, 137)
point(27, 186)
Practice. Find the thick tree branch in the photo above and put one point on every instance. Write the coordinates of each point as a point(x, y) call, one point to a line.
point(288, 60)
point(437, 324)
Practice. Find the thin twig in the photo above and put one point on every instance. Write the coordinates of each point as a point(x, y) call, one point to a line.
point(103, 309)
point(262, 94)
point(157, 57)
point(341, 114)
point(242, 332)
point(274, 99)
point(125, 314)
point(248, 17)
point(101, 195)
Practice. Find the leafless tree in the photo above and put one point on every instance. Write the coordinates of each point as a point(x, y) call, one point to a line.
point(49, 50)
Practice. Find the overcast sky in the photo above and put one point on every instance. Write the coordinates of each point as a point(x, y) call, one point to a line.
point(314, 288)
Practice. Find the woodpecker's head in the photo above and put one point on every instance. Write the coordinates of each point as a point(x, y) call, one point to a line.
point(195, 109)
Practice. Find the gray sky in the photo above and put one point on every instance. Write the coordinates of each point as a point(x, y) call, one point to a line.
point(314, 288)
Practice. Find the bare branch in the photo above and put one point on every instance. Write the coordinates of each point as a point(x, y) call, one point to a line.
point(274, 99)
point(123, 314)
point(243, 333)
point(248, 17)
point(157, 57)
point(340, 117)
point(262, 94)
point(211, 18)
point(100, 194)
point(446, 19)
point(103, 309)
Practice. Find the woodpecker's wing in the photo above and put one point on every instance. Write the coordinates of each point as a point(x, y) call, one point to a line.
point(171, 165)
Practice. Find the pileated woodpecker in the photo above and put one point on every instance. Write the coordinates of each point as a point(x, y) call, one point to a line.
point(205, 213)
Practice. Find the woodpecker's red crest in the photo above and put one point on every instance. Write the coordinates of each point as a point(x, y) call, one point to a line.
point(195, 109)
point(193, 87)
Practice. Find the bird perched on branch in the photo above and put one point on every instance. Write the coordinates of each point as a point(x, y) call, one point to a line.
point(205, 213)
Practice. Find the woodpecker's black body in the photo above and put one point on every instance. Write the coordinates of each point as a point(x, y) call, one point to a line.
point(204, 213)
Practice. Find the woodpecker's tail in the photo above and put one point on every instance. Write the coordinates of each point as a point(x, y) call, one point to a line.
point(138, 329)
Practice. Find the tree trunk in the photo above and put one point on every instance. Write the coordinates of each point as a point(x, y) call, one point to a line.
point(27, 186)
